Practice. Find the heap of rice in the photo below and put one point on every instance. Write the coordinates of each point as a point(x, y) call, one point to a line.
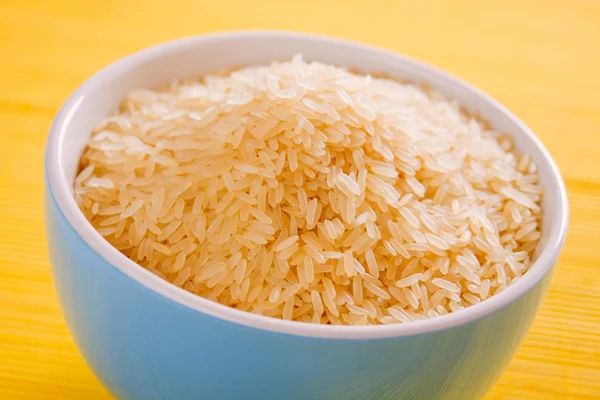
point(305, 192)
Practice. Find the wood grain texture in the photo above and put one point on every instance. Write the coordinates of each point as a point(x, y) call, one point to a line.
point(540, 58)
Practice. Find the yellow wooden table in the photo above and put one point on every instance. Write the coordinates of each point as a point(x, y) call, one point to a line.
point(540, 58)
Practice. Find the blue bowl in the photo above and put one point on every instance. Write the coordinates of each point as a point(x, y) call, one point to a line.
point(147, 339)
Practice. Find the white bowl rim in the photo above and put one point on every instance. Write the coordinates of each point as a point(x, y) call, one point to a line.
point(59, 188)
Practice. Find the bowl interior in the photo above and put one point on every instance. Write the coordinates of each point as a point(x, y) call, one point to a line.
point(190, 57)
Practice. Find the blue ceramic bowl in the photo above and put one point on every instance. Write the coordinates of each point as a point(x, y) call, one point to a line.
point(147, 339)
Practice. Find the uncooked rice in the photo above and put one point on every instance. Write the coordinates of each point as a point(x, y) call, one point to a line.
point(306, 192)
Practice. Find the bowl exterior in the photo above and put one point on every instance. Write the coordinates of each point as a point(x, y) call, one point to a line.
point(142, 345)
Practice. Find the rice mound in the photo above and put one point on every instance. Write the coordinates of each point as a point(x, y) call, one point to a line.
point(306, 192)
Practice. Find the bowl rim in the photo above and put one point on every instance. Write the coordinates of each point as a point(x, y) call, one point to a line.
point(60, 191)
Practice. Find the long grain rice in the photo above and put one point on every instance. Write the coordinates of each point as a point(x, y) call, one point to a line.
point(305, 192)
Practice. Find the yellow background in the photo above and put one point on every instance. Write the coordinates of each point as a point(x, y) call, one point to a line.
point(540, 58)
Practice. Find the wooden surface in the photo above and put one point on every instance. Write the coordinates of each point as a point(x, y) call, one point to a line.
point(540, 58)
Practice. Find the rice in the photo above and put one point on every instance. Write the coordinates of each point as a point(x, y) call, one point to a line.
point(305, 192)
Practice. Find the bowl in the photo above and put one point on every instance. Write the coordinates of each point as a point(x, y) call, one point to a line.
point(147, 339)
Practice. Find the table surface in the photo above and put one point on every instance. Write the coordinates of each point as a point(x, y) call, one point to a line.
point(539, 58)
